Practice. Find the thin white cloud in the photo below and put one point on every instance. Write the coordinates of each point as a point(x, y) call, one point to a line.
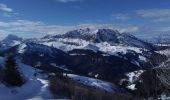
point(120, 16)
point(37, 28)
point(11, 14)
point(162, 19)
point(156, 15)
point(29, 27)
point(66, 1)
point(5, 8)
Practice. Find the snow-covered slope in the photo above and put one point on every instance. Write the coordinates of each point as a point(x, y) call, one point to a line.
point(164, 52)
point(131, 78)
point(34, 88)
point(37, 87)
point(96, 83)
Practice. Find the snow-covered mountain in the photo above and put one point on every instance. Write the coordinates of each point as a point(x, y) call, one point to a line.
point(10, 41)
point(108, 41)
point(81, 38)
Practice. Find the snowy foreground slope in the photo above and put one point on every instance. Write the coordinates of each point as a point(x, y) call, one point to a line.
point(34, 88)
point(37, 87)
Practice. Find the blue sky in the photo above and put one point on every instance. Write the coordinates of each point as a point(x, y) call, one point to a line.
point(34, 18)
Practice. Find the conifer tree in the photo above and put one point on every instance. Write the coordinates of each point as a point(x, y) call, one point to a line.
point(12, 75)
